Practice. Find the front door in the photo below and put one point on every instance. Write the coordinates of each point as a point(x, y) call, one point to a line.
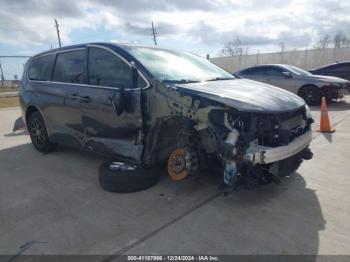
point(109, 128)
point(275, 76)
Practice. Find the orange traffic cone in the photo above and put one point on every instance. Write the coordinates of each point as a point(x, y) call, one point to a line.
point(325, 126)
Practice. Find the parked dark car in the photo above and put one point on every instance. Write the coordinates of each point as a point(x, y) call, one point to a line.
point(341, 69)
point(146, 105)
point(298, 81)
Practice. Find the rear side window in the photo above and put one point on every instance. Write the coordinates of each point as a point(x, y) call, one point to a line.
point(273, 71)
point(69, 67)
point(254, 71)
point(106, 69)
point(40, 68)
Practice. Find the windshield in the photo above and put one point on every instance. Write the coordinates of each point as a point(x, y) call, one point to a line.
point(298, 71)
point(177, 66)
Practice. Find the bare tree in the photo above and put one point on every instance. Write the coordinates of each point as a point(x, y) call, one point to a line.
point(282, 46)
point(341, 40)
point(324, 42)
point(233, 48)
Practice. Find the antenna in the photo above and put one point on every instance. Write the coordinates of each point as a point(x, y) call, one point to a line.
point(2, 75)
point(58, 33)
point(154, 34)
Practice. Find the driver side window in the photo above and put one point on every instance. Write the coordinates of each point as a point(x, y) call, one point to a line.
point(106, 69)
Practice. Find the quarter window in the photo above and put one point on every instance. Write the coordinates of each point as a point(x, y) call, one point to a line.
point(106, 69)
point(69, 67)
point(40, 68)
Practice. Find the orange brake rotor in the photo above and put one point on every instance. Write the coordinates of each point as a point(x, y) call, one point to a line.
point(177, 165)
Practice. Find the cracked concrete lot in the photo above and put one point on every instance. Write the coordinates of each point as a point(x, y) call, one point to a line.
point(55, 199)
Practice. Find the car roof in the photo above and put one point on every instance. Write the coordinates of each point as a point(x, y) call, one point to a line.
point(105, 44)
point(336, 63)
point(261, 65)
point(279, 65)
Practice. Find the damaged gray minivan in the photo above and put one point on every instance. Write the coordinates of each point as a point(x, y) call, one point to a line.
point(147, 105)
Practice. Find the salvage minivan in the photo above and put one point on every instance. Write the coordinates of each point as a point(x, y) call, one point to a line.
point(148, 105)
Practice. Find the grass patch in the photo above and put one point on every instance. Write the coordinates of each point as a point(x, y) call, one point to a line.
point(8, 89)
point(9, 101)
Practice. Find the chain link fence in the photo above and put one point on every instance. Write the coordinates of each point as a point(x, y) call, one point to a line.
point(11, 70)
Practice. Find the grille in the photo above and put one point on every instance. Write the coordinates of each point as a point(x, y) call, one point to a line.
point(284, 128)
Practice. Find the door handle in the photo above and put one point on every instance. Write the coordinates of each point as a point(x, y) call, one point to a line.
point(74, 96)
point(85, 99)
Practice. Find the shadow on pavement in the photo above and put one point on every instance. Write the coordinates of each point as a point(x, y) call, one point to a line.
point(328, 136)
point(341, 105)
point(272, 219)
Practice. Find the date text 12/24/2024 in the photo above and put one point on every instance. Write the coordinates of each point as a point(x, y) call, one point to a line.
point(173, 258)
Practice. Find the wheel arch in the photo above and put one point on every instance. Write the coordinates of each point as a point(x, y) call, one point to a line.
point(306, 86)
point(163, 137)
point(29, 111)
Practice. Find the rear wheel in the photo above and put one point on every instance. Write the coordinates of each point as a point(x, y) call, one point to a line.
point(311, 94)
point(38, 133)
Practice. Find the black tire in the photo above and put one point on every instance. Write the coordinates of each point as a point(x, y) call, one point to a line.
point(38, 133)
point(311, 94)
point(126, 181)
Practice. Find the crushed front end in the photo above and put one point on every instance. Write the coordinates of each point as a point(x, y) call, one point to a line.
point(257, 147)
point(255, 132)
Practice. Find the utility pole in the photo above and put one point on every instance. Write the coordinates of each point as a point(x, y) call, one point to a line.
point(58, 33)
point(154, 34)
point(283, 48)
point(2, 75)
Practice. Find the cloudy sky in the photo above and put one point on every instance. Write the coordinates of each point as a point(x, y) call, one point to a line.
point(202, 26)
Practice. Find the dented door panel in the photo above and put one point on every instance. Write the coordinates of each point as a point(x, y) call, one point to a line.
point(107, 132)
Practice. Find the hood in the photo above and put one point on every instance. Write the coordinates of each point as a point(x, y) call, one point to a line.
point(245, 95)
point(331, 79)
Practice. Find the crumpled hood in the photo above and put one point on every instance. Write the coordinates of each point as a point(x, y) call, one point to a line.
point(330, 79)
point(245, 95)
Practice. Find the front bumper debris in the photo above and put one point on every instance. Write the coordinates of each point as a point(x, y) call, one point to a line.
point(257, 154)
point(343, 91)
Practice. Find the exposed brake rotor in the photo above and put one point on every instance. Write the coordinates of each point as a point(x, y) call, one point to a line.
point(182, 162)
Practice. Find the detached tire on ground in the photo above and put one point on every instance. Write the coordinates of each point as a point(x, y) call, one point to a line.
point(125, 178)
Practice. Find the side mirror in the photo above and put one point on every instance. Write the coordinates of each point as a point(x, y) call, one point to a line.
point(135, 75)
point(118, 101)
point(287, 74)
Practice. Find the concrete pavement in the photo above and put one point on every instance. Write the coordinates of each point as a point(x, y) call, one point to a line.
point(56, 199)
point(8, 94)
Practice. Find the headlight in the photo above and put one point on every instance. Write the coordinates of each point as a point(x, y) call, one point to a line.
point(339, 85)
point(308, 111)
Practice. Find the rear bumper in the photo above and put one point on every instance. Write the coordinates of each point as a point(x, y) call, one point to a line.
point(257, 154)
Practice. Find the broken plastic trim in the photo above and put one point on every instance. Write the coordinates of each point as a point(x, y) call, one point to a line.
point(263, 155)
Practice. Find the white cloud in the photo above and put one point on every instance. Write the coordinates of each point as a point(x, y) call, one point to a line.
point(201, 23)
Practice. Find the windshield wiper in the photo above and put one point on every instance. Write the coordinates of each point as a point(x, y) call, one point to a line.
point(182, 81)
point(219, 78)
